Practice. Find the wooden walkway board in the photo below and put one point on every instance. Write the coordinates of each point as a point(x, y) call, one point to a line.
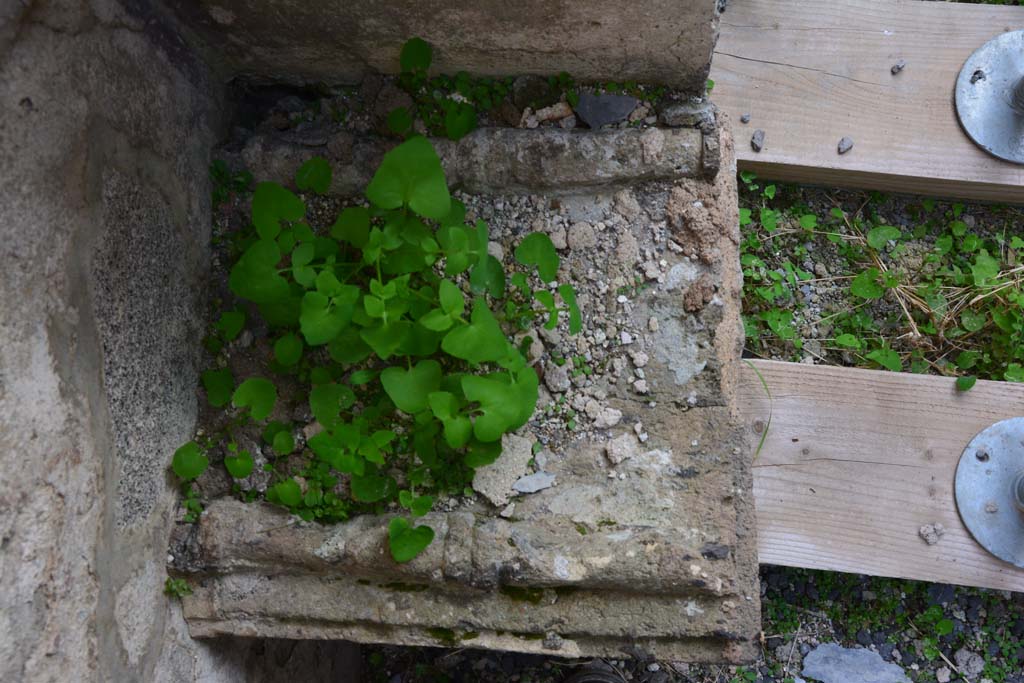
point(810, 72)
point(856, 461)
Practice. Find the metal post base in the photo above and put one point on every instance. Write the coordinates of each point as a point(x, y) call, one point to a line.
point(990, 96)
point(990, 489)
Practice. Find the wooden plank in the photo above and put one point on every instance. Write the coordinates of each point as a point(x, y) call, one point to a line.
point(856, 461)
point(810, 72)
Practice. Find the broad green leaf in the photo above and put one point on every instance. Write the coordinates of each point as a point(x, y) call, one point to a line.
point(547, 300)
point(848, 340)
point(286, 492)
point(451, 298)
point(239, 466)
point(865, 285)
point(348, 347)
point(503, 407)
point(488, 276)
point(482, 454)
point(326, 401)
point(568, 295)
point(416, 55)
point(406, 541)
point(459, 119)
point(272, 429)
point(314, 175)
point(457, 427)
point(288, 349)
point(283, 443)
point(436, 320)
point(944, 244)
point(385, 338)
point(230, 324)
point(985, 268)
point(255, 276)
point(479, 341)
point(965, 383)
point(352, 226)
point(189, 461)
point(881, 235)
point(808, 221)
point(537, 250)
point(458, 244)
point(370, 488)
point(301, 256)
point(973, 320)
point(887, 358)
point(218, 385)
point(323, 318)
point(421, 505)
point(411, 175)
point(1014, 373)
point(408, 389)
point(258, 394)
point(271, 203)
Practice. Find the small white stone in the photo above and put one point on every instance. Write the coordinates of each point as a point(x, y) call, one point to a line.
point(626, 337)
point(640, 386)
point(622, 447)
point(695, 443)
point(622, 298)
point(639, 358)
point(508, 511)
point(653, 325)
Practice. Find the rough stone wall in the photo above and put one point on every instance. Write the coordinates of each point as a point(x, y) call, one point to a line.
point(652, 41)
point(106, 122)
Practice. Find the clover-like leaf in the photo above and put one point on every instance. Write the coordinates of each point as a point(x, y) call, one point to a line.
point(385, 338)
point(881, 235)
point(406, 541)
point(973, 320)
point(421, 505)
point(239, 466)
point(459, 119)
point(408, 389)
point(270, 204)
point(411, 175)
point(189, 461)
point(326, 401)
point(848, 340)
point(416, 55)
point(258, 394)
point(479, 341)
point(288, 349)
point(218, 385)
point(314, 175)
point(255, 276)
point(451, 299)
point(537, 250)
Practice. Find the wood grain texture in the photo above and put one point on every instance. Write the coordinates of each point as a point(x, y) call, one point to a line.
point(856, 461)
point(810, 72)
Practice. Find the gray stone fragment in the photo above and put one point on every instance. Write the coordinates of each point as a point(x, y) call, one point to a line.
point(494, 482)
point(744, 118)
point(931, 533)
point(556, 377)
point(757, 140)
point(601, 110)
point(970, 663)
point(831, 663)
point(538, 481)
point(845, 145)
point(622, 447)
point(692, 115)
point(898, 66)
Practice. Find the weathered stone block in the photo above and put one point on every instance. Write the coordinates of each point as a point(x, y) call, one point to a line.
point(653, 548)
point(653, 41)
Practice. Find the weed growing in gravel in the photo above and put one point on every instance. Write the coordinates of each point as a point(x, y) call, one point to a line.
point(928, 295)
point(395, 325)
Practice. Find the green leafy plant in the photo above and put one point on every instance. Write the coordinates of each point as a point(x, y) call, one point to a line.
point(398, 323)
point(177, 588)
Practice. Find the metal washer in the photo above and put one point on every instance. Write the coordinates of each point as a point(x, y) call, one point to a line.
point(985, 496)
point(990, 96)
